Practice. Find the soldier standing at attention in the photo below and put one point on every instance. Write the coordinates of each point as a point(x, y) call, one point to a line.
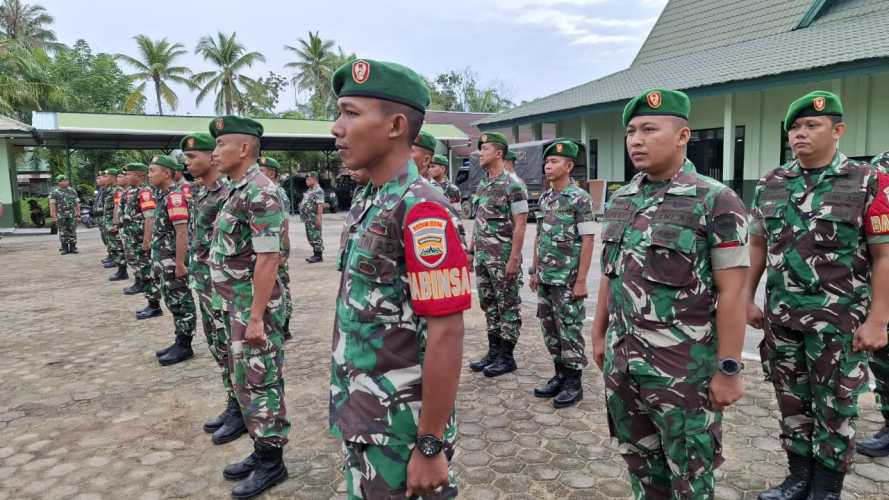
point(878, 445)
point(311, 209)
point(244, 257)
point(562, 254)
point(96, 215)
point(139, 202)
point(124, 223)
point(818, 232)
point(169, 246)
point(111, 202)
point(133, 225)
point(439, 173)
point(501, 216)
point(398, 332)
point(272, 169)
point(422, 152)
point(64, 208)
point(669, 324)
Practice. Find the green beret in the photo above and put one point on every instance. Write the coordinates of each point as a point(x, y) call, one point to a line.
point(198, 141)
point(112, 171)
point(658, 102)
point(270, 163)
point(381, 80)
point(817, 103)
point(312, 174)
point(426, 141)
point(510, 156)
point(60, 178)
point(440, 160)
point(562, 147)
point(136, 167)
point(493, 138)
point(235, 125)
point(108, 169)
point(168, 162)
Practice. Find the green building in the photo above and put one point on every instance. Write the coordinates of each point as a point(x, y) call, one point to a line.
point(742, 63)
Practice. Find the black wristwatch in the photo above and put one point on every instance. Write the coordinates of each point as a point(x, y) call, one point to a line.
point(429, 445)
point(730, 366)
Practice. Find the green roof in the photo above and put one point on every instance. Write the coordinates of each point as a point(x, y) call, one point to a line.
point(703, 46)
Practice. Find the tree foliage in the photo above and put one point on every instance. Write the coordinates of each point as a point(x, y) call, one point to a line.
point(230, 58)
point(156, 64)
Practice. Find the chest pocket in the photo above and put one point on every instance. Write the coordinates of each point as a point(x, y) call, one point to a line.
point(616, 219)
point(227, 235)
point(376, 291)
point(773, 205)
point(839, 218)
point(560, 219)
point(670, 257)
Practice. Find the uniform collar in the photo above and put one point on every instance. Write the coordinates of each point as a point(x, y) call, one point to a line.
point(682, 184)
point(393, 190)
point(251, 172)
point(838, 166)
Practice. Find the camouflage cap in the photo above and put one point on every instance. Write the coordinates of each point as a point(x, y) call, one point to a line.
point(197, 141)
point(426, 141)
point(493, 138)
point(270, 163)
point(817, 103)
point(168, 162)
point(657, 102)
point(562, 147)
point(510, 156)
point(235, 125)
point(136, 167)
point(440, 160)
point(381, 80)
point(60, 178)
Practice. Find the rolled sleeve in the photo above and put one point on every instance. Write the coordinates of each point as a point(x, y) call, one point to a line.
point(266, 221)
point(519, 207)
point(266, 244)
point(728, 237)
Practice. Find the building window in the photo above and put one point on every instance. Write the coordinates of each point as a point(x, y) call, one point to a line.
point(786, 152)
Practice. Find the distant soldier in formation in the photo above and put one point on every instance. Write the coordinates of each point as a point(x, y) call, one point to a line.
point(112, 200)
point(563, 251)
point(97, 215)
point(422, 152)
point(311, 209)
point(272, 169)
point(439, 174)
point(64, 209)
point(140, 203)
point(509, 162)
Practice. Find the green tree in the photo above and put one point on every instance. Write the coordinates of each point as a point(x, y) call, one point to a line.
point(27, 25)
point(460, 91)
point(26, 85)
point(230, 58)
point(91, 82)
point(155, 64)
point(313, 67)
point(263, 94)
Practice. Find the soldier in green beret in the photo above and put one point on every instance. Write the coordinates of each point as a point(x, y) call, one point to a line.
point(563, 250)
point(501, 207)
point(139, 200)
point(439, 174)
point(422, 152)
point(509, 162)
point(245, 254)
point(392, 398)
point(96, 214)
point(64, 209)
point(311, 209)
point(670, 305)
point(818, 231)
point(272, 169)
point(112, 200)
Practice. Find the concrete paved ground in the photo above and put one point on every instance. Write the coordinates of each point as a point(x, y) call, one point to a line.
point(86, 412)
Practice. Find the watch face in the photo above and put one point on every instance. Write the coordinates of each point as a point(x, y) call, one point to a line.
point(730, 366)
point(429, 445)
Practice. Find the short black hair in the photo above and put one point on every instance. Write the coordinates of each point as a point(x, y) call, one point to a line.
point(414, 117)
point(836, 119)
point(501, 148)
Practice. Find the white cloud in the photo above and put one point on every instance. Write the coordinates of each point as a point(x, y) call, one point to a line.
point(524, 4)
point(585, 29)
point(594, 39)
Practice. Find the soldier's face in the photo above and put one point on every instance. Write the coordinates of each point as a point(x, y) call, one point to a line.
point(123, 180)
point(311, 182)
point(814, 135)
point(230, 151)
point(63, 184)
point(436, 171)
point(509, 166)
point(158, 175)
point(655, 142)
point(270, 173)
point(487, 154)
point(361, 131)
point(557, 167)
point(197, 162)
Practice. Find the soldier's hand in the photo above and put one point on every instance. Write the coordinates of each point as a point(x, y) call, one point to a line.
point(426, 474)
point(181, 270)
point(534, 281)
point(870, 336)
point(255, 335)
point(725, 390)
point(579, 290)
point(146, 246)
point(754, 315)
point(512, 267)
point(599, 351)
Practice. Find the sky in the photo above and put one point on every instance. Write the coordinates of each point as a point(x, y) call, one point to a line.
point(530, 48)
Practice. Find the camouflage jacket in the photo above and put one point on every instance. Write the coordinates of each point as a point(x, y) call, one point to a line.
point(308, 207)
point(172, 209)
point(285, 200)
point(250, 221)
point(403, 261)
point(99, 202)
point(563, 217)
point(881, 161)
point(66, 202)
point(207, 202)
point(109, 204)
point(451, 191)
point(661, 243)
point(496, 201)
point(818, 264)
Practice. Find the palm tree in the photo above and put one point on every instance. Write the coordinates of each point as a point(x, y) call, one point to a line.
point(155, 64)
point(27, 25)
point(230, 57)
point(313, 67)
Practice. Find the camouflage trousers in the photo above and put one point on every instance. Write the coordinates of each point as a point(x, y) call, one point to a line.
point(667, 432)
point(313, 234)
point(67, 230)
point(115, 247)
point(140, 262)
point(879, 366)
point(103, 236)
point(177, 295)
point(499, 298)
point(257, 376)
point(380, 472)
point(213, 324)
point(286, 298)
point(561, 320)
point(817, 380)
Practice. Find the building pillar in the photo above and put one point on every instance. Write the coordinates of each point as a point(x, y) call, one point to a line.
point(515, 133)
point(585, 140)
point(9, 197)
point(537, 132)
point(862, 116)
point(728, 138)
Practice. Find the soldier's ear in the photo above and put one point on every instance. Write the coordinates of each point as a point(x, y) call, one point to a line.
point(839, 130)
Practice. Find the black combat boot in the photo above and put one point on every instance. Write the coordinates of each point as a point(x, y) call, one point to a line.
point(572, 390)
point(72, 247)
point(316, 257)
point(180, 351)
point(121, 274)
point(232, 427)
point(216, 422)
point(242, 469)
point(109, 265)
point(493, 343)
point(552, 386)
point(504, 362)
point(287, 334)
point(796, 485)
point(106, 260)
point(269, 471)
point(152, 310)
point(878, 445)
point(63, 249)
point(137, 287)
point(827, 484)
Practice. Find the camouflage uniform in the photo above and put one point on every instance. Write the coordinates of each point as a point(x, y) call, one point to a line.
point(172, 209)
point(817, 294)
point(252, 221)
point(207, 202)
point(115, 246)
point(393, 280)
point(879, 360)
point(96, 214)
point(308, 210)
point(66, 216)
point(284, 268)
point(662, 243)
point(496, 201)
point(139, 200)
point(565, 216)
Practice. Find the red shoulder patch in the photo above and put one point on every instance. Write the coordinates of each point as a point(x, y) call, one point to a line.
point(177, 207)
point(146, 200)
point(878, 211)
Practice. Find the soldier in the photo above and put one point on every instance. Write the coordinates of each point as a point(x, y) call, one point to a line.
point(817, 230)
point(112, 200)
point(139, 201)
point(392, 400)
point(124, 223)
point(169, 246)
point(439, 174)
point(670, 306)
point(64, 208)
point(244, 257)
point(562, 253)
point(422, 152)
point(878, 445)
point(271, 168)
point(509, 162)
point(501, 216)
point(96, 215)
point(132, 230)
point(311, 209)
